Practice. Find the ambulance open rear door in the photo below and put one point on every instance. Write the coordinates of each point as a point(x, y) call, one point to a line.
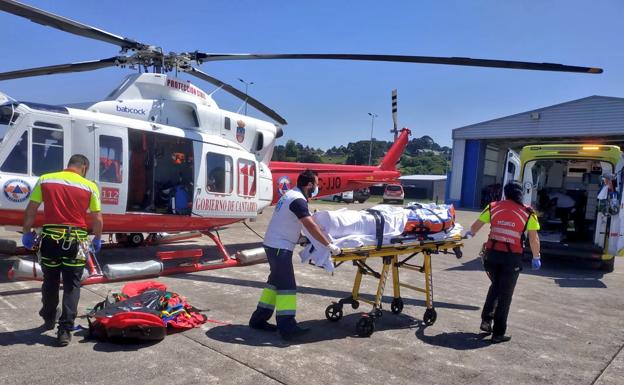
point(512, 168)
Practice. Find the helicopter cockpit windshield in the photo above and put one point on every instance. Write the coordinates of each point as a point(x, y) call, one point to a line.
point(8, 116)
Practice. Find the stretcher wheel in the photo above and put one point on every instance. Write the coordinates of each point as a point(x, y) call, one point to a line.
point(334, 312)
point(397, 305)
point(430, 316)
point(355, 304)
point(365, 327)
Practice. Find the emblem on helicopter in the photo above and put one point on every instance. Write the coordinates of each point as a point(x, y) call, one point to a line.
point(240, 131)
point(16, 190)
point(283, 185)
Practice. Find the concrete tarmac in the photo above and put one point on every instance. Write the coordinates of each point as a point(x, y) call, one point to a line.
point(566, 321)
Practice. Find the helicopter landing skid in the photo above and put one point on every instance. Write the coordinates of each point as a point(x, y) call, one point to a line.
point(168, 263)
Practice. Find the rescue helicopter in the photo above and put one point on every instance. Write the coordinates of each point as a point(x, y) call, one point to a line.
point(165, 156)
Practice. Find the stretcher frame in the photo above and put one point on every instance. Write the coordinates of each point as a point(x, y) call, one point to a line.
point(391, 260)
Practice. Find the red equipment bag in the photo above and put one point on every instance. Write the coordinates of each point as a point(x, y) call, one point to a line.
point(134, 318)
point(135, 288)
point(142, 311)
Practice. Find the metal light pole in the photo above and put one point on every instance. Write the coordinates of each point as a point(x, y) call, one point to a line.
point(370, 149)
point(247, 84)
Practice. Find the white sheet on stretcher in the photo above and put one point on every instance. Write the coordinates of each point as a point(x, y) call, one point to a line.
point(350, 229)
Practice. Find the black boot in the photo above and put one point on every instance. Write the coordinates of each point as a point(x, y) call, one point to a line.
point(486, 326)
point(262, 325)
point(499, 339)
point(293, 333)
point(63, 337)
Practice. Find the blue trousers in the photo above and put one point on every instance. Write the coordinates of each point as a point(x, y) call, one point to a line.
point(280, 293)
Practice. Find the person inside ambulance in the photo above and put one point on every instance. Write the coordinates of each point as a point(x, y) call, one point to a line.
point(509, 219)
point(564, 206)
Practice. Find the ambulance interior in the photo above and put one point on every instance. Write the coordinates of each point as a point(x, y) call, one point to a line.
point(161, 173)
point(565, 195)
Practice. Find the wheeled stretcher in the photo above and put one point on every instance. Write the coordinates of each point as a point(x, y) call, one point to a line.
point(399, 254)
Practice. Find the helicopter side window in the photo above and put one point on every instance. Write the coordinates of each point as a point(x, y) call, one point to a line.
point(227, 123)
point(111, 158)
point(47, 148)
point(17, 161)
point(219, 173)
point(246, 177)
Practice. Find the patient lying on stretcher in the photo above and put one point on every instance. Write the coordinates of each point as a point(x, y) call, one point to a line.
point(378, 226)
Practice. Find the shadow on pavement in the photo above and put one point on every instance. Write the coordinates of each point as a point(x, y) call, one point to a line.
point(320, 330)
point(116, 345)
point(21, 291)
point(334, 294)
point(453, 340)
point(564, 272)
point(32, 336)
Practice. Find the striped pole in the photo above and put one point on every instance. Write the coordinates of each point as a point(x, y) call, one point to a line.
point(394, 114)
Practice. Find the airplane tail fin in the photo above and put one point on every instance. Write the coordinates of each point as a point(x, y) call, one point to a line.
point(393, 156)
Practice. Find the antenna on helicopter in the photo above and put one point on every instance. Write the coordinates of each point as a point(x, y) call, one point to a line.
point(216, 89)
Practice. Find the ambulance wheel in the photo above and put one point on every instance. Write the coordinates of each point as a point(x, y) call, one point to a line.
point(135, 239)
point(333, 312)
point(430, 317)
point(355, 304)
point(365, 327)
point(608, 266)
point(396, 306)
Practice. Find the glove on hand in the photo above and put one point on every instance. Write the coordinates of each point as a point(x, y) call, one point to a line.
point(335, 250)
point(468, 234)
point(96, 245)
point(537, 263)
point(28, 240)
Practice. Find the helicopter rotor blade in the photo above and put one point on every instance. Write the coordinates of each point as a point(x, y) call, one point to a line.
point(64, 24)
point(241, 95)
point(460, 61)
point(62, 68)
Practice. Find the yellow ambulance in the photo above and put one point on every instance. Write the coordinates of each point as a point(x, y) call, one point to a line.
point(576, 190)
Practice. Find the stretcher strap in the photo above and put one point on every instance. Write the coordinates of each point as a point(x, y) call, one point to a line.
point(380, 223)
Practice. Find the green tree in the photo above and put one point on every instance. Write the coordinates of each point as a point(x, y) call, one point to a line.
point(279, 153)
point(291, 149)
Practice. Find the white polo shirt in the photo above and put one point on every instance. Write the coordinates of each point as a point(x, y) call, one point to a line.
point(285, 226)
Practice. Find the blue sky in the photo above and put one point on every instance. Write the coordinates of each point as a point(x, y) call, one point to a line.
point(327, 102)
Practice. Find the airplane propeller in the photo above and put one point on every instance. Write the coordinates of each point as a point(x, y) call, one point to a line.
point(137, 53)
